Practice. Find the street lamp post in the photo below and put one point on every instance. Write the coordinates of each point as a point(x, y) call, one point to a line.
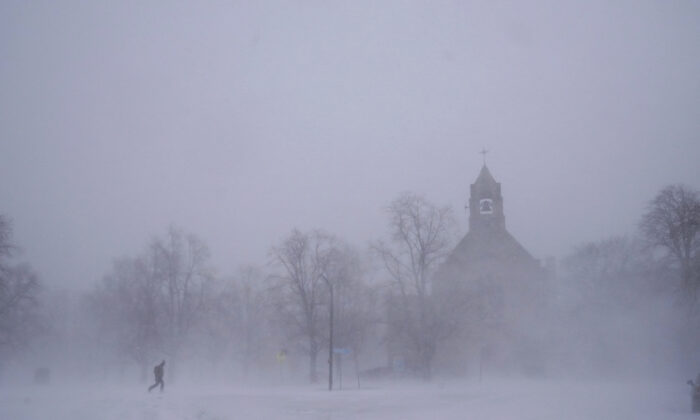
point(330, 334)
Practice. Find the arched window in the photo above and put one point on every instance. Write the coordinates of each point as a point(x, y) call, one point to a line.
point(486, 206)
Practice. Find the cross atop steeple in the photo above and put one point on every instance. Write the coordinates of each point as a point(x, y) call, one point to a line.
point(483, 153)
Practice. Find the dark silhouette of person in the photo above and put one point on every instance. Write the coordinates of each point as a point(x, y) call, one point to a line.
point(695, 393)
point(158, 372)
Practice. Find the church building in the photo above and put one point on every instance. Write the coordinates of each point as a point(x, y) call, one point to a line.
point(492, 291)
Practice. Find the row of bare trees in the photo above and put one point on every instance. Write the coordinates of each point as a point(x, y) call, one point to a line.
point(317, 268)
point(319, 294)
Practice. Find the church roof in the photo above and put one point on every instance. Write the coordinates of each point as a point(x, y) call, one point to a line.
point(496, 245)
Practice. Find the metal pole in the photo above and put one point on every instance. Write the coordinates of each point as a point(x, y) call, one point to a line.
point(357, 368)
point(330, 341)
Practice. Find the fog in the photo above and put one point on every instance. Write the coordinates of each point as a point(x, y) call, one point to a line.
point(163, 164)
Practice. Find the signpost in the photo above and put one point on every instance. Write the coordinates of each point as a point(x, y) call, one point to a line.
point(340, 352)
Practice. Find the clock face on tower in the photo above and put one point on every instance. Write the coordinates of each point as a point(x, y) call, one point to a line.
point(485, 206)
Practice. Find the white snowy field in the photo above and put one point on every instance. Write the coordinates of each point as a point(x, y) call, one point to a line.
point(541, 400)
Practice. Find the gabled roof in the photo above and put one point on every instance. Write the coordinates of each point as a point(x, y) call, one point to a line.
point(495, 245)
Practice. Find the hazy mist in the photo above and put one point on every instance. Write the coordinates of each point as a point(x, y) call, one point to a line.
point(126, 126)
point(242, 120)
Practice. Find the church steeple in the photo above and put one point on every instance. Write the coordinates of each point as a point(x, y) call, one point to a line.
point(486, 203)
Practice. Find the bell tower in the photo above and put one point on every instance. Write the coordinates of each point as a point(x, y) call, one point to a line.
point(486, 203)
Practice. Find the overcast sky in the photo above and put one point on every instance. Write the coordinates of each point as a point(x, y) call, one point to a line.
point(240, 120)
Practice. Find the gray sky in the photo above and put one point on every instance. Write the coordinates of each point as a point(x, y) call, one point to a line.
point(241, 120)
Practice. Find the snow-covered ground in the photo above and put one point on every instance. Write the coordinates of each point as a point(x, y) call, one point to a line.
point(541, 400)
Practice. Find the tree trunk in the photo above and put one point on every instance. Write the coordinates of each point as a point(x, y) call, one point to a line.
point(330, 343)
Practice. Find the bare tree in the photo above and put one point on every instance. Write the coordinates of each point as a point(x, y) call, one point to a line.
point(126, 308)
point(353, 306)
point(672, 221)
point(604, 285)
point(239, 316)
point(420, 239)
point(6, 245)
point(19, 289)
point(614, 272)
point(151, 303)
point(302, 258)
point(180, 264)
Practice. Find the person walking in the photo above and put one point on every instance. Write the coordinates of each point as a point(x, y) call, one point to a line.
point(158, 372)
